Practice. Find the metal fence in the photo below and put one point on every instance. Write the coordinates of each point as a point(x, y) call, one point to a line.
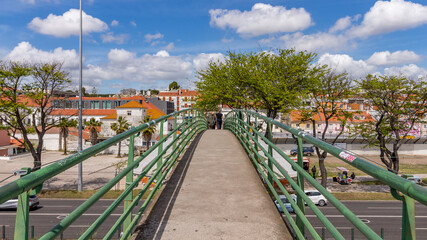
point(242, 122)
point(31, 182)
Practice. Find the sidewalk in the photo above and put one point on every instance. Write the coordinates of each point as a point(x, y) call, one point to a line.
point(97, 171)
point(216, 194)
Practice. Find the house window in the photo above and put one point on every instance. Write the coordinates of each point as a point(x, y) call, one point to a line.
point(297, 125)
point(107, 105)
point(308, 125)
point(129, 113)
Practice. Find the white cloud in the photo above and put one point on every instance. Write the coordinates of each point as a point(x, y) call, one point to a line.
point(261, 19)
point(202, 60)
point(315, 42)
point(389, 16)
point(25, 52)
point(67, 24)
point(125, 65)
point(341, 24)
point(169, 47)
point(110, 37)
point(411, 71)
point(133, 23)
point(150, 37)
point(345, 63)
point(396, 58)
point(114, 23)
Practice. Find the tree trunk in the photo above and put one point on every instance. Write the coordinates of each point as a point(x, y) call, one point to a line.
point(60, 140)
point(323, 172)
point(120, 148)
point(65, 145)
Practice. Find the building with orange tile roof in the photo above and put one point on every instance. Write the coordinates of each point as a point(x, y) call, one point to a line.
point(182, 98)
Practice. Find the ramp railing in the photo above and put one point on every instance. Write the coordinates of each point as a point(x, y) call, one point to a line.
point(193, 121)
point(262, 150)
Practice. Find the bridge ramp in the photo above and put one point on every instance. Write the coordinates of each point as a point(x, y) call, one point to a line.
point(214, 194)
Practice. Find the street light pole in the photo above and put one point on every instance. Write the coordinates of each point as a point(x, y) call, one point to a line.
point(80, 166)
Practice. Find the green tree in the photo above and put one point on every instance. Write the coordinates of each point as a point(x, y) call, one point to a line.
point(121, 126)
point(26, 92)
point(93, 126)
point(271, 81)
point(174, 86)
point(64, 124)
point(147, 133)
point(400, 103)
point(326, 99)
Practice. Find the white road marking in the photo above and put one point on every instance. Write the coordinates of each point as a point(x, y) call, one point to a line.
point(399, 208)
point(58, 214)
point(366, 216)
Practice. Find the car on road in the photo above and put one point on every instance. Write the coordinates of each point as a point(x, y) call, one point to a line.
point(316, 197)
point(306, 151)
point(286, 203)
point(13, 203)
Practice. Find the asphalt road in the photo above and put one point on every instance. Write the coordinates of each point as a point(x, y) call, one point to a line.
point(51, 211)
point(376, 214)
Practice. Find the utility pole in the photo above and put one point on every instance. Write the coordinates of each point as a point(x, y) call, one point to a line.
point(80, 148)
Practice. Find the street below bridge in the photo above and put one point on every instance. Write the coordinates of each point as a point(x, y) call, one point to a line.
point(377, 215)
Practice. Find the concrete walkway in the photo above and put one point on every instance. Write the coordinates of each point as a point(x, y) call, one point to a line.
point(215, 194)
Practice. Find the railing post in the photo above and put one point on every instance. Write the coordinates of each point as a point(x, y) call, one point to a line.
point(129, 180)
point(160, 149)
point(408, 218)
point(22, 213)
point(256, 138)
point(174, 136)
point(300, 181)
point(270, 151)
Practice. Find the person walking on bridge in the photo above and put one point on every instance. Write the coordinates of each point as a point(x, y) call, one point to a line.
point(219, 120)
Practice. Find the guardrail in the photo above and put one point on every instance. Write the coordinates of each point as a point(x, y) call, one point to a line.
point(31, 182)
point(242, 122)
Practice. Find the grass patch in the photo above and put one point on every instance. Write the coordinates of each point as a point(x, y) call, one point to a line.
point(363, 196)
point(74, 194)
point(413, 168)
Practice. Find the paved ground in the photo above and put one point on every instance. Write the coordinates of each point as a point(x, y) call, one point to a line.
point(217, 195)
point(97, 171)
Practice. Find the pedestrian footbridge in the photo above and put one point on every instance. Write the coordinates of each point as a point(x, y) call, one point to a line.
point(213, 184)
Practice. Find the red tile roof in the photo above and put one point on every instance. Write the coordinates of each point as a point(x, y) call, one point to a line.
point(87, 112)
point(132, 104)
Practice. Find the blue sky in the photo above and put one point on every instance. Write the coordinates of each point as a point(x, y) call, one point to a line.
point(146, 44)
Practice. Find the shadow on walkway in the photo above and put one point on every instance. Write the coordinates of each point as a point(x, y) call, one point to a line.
point(154, 225)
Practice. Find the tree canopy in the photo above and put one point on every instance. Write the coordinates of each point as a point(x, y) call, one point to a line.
point(26, 92)
point(174, 86)
point(400, 104)
point(273, 81)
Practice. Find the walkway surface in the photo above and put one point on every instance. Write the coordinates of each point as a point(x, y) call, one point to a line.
point(214, 194)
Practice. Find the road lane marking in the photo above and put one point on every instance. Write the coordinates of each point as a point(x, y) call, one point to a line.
point(59, 214)
point(366, 216)
point(399, 208)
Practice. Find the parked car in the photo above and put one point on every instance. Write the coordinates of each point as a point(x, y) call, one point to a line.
point(306, 151)
point(13, 203)
point(316, 197)
point(286, 203)
point(414, 179)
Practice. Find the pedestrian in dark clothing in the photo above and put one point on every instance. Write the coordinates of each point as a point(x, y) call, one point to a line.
point(313, 170)
point(219, 120)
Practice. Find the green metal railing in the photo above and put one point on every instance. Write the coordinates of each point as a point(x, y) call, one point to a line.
point(31, 183)
point(243, 124)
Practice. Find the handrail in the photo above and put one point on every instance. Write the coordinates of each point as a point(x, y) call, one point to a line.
point(248, 136)
point(189, 127)
point(36, 178)
point(404, 186)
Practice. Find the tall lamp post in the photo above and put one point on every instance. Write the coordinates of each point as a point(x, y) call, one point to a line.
point(80, 166)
